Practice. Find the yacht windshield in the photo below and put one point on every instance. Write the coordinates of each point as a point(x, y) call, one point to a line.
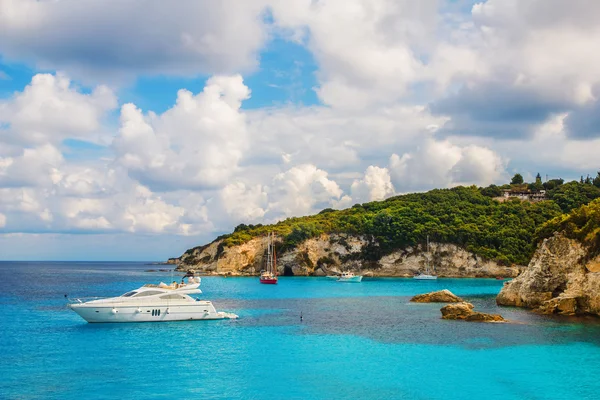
point(129, 294)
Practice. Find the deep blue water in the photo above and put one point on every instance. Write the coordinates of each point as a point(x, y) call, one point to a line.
point(355, 341)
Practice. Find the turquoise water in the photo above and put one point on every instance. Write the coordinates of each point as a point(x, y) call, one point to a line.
point(355, 341)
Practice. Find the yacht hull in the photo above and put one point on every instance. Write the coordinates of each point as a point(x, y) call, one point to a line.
point(354, 279)
point(151, 313)
point(268, 281)
point(424, 277)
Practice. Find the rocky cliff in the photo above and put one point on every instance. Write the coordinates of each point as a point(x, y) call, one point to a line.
point(562, 277)
point(329, 254)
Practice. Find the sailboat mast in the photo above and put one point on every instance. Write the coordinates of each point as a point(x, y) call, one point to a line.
point(269, 253)
point(274, 257)
point(427, 254)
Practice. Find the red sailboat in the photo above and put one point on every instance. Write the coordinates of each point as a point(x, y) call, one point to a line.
point(269, 275)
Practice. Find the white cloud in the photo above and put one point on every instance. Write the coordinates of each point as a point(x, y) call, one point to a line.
point(520, 66)
point(33, 167)
point(115, 39)
point(367, 49)
point(2, 220)
point(375, 185)
point(301, 190)
point(51, 109)
point(443, 164)
point(244, 203)
point(196, 144)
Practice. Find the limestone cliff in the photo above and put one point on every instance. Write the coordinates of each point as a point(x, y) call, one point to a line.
point(561, 278)
point(329, 254)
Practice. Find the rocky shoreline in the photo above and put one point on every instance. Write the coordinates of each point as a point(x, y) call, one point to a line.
point(330, 254)
point(562, 278)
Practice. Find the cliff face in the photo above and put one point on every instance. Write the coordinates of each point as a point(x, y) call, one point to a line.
point(561, 278)
point(329, 254)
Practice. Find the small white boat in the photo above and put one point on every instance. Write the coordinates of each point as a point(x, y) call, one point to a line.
point(426, 276)
point(150, 303)
point(349, 277)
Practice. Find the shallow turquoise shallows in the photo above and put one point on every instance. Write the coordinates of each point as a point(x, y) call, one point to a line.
point(361, 341)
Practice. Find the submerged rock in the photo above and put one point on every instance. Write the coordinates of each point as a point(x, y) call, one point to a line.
point(561, 279)
point(441, 296)
point(465, 312)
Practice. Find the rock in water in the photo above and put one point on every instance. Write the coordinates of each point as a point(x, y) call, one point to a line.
point(560, 279)
point(441, 296)
point(465, 312)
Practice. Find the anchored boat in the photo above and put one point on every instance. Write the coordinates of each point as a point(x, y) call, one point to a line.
point(349, 277)
point(269, 274)
point(150, 303)
point(426, 276)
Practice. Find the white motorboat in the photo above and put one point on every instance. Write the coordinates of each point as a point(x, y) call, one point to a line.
point(426, 276)
point(150, 303)
point(349, 277)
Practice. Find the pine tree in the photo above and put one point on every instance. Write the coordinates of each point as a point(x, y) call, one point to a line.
point(596, 181)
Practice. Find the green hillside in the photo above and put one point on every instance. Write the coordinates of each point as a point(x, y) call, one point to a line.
point(582, 223)
point(465, 216)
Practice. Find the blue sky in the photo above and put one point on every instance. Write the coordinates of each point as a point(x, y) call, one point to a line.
point(133, 131)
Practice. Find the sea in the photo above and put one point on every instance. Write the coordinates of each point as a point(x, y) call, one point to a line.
point(354, 341)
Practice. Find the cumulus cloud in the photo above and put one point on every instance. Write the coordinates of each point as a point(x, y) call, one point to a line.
point(113, 40)
point(244, 203)
point(368, 51)
point(32, 167)
point(333, 139)
point(375, 185)
point(527, 53)
point(443, 164)
point(301, 190)
point(196, 144)
point(51, 109)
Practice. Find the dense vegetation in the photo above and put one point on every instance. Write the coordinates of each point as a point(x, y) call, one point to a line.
point(466, 216)
point(582, 223)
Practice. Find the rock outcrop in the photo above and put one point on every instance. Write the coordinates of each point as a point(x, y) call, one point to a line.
point(330, 254)
point(464, 311)
point(441, 296)
point(561, 278)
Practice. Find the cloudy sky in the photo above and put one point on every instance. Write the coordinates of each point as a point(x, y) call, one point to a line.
point(133, 130)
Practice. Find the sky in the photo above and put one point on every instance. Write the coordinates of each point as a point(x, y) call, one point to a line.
point(133, 130)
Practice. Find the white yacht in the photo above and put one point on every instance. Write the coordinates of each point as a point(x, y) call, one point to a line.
point(150, 303)
point(426, 276)
point(349, 277)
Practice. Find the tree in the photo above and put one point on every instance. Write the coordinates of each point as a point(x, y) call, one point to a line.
point(553, 183)
point(588, 180)
point(538, 185)
point(573, 194)
point(491, 191)
point(517, 180)
point(596, 181)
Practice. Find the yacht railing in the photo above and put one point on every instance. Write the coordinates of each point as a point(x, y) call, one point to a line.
point(76, 300)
